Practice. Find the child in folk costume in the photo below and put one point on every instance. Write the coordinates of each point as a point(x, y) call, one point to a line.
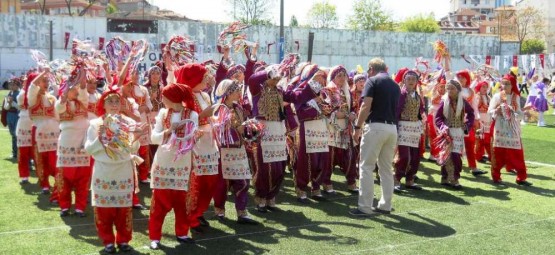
point(356, 91)
point(540, 103)
point(437, 93)
point(141, 96)
point(204, 175)
point(23, 130)
point(470, 138)
point(93, 96)
point(270, 153)
point(41, 110)
point(73, 162)
point(112, 139)
point(410, 128)
point(483, 139)
point(338, 95)
point(234, 165)
point(154, 85)
point(130, 108)
point(453, 119)
point(313, 151)
point(172, 162)
point(507, 144)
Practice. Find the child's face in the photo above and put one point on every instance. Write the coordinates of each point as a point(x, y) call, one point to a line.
point(483, 90)
point(72, 93)
point(112, 104)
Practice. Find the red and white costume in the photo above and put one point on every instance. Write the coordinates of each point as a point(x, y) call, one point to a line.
point(23, 130)
point(112, 185)
point(483, 141)
point(41, 110)
point(170, 173)
point(73, 161)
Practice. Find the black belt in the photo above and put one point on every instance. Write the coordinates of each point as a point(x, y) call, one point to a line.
point(383, 121)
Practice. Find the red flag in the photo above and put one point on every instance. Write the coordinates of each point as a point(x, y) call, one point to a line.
point(100, 43)
point(488, 60)
point(515, 60)
point(66, 40)
point(542, 60)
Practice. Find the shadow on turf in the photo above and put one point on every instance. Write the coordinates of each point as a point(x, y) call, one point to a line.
point(424, 227)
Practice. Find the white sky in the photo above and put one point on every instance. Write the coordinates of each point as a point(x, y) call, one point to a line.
point(216, 10)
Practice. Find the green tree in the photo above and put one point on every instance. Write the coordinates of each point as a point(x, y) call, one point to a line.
point(111, 8)
point(420, 23)
point(533, 46)
point(322, 15)
point(293, 22)
point(252, 12)
point(370, 15)
point(530, 22)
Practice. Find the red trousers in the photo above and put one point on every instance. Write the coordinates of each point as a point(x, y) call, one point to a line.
point(432, 134)
point(74, 178)
point(201, 191)
point(163, 201)
point(144, 168)
point(469, 146)
point(108, 217)
point(503, 157)
point(25, 155)
point(342, 158)
point(483, 146)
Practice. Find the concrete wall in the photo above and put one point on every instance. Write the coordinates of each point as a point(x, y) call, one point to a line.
point(19, 34)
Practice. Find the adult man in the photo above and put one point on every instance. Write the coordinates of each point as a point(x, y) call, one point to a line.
point(381, 96)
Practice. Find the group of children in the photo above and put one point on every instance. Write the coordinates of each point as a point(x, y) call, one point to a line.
point(195, 131)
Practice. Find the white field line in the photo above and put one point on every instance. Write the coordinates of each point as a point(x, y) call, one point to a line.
point(392, 247)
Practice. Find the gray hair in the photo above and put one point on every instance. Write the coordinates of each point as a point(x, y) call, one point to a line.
point(377, 64)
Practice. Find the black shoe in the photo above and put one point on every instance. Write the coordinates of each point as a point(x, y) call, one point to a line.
point(478, 172)
point(378, 210)
point(185, 240)
point(353, 191)
point(45, 192)
point(359, 213)
point(125, 248)
point(319, 198)
point(414, 187)
point(273, 208)
point(330, 192)
point(220, 218)
point(154, 245)
point(524, 183)
point(457, 187)
point(397, 189)
point(23, 182)
point(499, 183)
point(139, 207)
point(261, 209)
point(203, 222)
point(198, 229)
point(80, 214)
point(303, 200)
point(246, 221)
point(110, 249)
point(64, 213)
point(446, 184)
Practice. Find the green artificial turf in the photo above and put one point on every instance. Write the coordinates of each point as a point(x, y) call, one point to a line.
point(480, 219)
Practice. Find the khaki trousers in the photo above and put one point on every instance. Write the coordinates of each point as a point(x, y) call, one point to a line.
point(377, 145)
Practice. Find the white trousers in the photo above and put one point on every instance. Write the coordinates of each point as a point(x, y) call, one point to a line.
point(377, 145)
